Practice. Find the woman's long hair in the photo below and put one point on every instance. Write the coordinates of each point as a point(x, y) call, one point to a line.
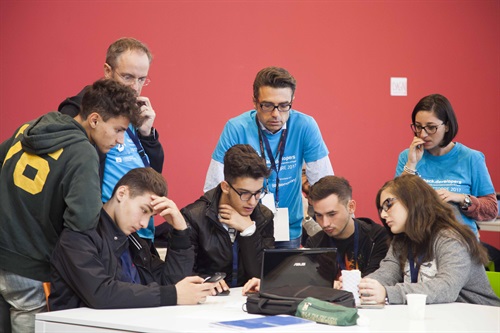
point(428, 215)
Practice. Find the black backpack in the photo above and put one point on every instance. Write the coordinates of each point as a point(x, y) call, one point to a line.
point(284, 300)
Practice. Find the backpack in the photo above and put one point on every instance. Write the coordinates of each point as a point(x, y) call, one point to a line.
point(284, 300)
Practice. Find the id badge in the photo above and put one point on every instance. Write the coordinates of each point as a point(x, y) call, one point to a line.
point(281, 225)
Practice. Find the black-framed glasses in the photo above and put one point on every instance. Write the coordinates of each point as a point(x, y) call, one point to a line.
point(386, 205)
point(269, 107)
point(245, 196)
point(429, 129)
point(130, 79)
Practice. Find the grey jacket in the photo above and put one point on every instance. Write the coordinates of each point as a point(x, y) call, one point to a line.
point(451, 277)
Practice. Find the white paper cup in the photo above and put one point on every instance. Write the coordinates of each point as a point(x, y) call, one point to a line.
point(416, 306)
point(350, 282)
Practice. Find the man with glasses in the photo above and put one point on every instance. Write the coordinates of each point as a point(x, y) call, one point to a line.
point(230, 228)
point(127, 62)
point(286, 138)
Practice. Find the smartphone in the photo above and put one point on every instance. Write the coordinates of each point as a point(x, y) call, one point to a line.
point(215, 278)
point(140, 103)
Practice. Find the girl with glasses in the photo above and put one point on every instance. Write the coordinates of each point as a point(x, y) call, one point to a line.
point(431, 252)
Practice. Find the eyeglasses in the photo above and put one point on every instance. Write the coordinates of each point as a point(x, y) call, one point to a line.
point(245, 196)
point(429, 129)
point(269, 107)
point(386, 205)
point(130, 79)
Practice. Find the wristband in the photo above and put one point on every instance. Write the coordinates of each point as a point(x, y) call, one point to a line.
point(410, 171)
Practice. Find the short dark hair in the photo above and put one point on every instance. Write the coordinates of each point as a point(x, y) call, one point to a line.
point(243, 161)
point(443, 110)
point(329, 185)
point(111, 99)
point(122, 45)
point(275, 77)
point(143, 180)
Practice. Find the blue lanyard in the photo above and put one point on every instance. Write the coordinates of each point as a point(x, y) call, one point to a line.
point(281, 149)
point(341, 262)
point(414, 266)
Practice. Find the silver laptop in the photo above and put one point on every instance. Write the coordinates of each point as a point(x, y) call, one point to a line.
point(298, 267)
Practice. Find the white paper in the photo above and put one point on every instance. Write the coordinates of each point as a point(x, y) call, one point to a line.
point(281, 225)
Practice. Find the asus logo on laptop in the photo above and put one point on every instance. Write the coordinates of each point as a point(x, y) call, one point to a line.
point(299, 264)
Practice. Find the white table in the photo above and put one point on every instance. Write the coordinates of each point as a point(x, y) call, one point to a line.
point(490, 225)
point(454, 317)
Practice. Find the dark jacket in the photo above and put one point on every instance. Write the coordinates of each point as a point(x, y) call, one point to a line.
point(212, 244)
point(87, 270)
point(373, 245)
point(48, 180)
point(151, 144)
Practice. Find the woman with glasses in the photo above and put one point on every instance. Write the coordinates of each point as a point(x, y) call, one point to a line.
point(431, 252)
point(458, 173)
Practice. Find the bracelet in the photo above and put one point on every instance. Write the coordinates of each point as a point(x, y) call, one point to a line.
point(410, 171)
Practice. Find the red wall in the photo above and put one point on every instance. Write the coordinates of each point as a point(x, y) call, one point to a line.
point(207, 53)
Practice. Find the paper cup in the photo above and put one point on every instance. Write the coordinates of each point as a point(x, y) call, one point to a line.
point(350, 282)
point(416, 306)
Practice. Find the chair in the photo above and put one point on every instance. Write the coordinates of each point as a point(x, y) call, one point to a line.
point(494, 278)
point(46, 290)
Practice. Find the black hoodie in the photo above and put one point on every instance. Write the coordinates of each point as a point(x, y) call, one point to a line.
point(49, 179)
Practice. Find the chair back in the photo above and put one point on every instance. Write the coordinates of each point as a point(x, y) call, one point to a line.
point(494, 278)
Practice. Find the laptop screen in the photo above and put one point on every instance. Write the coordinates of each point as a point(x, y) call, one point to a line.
point(298, 267)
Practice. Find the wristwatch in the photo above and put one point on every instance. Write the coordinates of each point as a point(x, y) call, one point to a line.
point(467, 202)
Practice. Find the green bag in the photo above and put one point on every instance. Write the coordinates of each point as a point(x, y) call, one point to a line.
point(326, 313)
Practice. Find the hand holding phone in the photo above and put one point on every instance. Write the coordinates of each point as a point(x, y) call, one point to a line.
point(216, 277)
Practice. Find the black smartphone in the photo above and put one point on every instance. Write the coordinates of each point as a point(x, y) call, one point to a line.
point(215, 278)
point(140, 103)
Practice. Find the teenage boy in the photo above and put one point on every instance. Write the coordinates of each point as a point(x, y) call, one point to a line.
point(49, 180)
point(230, 227)
point(112, 267)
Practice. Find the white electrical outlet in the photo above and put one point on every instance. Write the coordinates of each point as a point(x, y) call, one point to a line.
point(399, 86)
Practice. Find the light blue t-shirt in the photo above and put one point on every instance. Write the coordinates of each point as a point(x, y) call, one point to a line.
point(120, 160)
point(304, 143)
point(461, 170)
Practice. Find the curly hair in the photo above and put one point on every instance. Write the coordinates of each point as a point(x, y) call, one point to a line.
point(111, 99)
point(428, 215)
point(243, 161)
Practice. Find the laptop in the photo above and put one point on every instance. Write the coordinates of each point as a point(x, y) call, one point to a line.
point(298, 267)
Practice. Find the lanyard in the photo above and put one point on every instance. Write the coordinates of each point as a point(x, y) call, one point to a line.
point(342, 262)
point(414, 266)
point(263, 141)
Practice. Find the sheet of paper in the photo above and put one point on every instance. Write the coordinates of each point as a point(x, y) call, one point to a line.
point(281, 225)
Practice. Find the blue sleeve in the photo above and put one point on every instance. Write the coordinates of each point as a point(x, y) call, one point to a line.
point(314, 148)
point(402, 159)
point(228, 138)
point(481, 180)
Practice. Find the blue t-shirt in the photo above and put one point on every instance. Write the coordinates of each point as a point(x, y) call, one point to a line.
point(119, 160)
point(304, 143)
point(461, 170)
